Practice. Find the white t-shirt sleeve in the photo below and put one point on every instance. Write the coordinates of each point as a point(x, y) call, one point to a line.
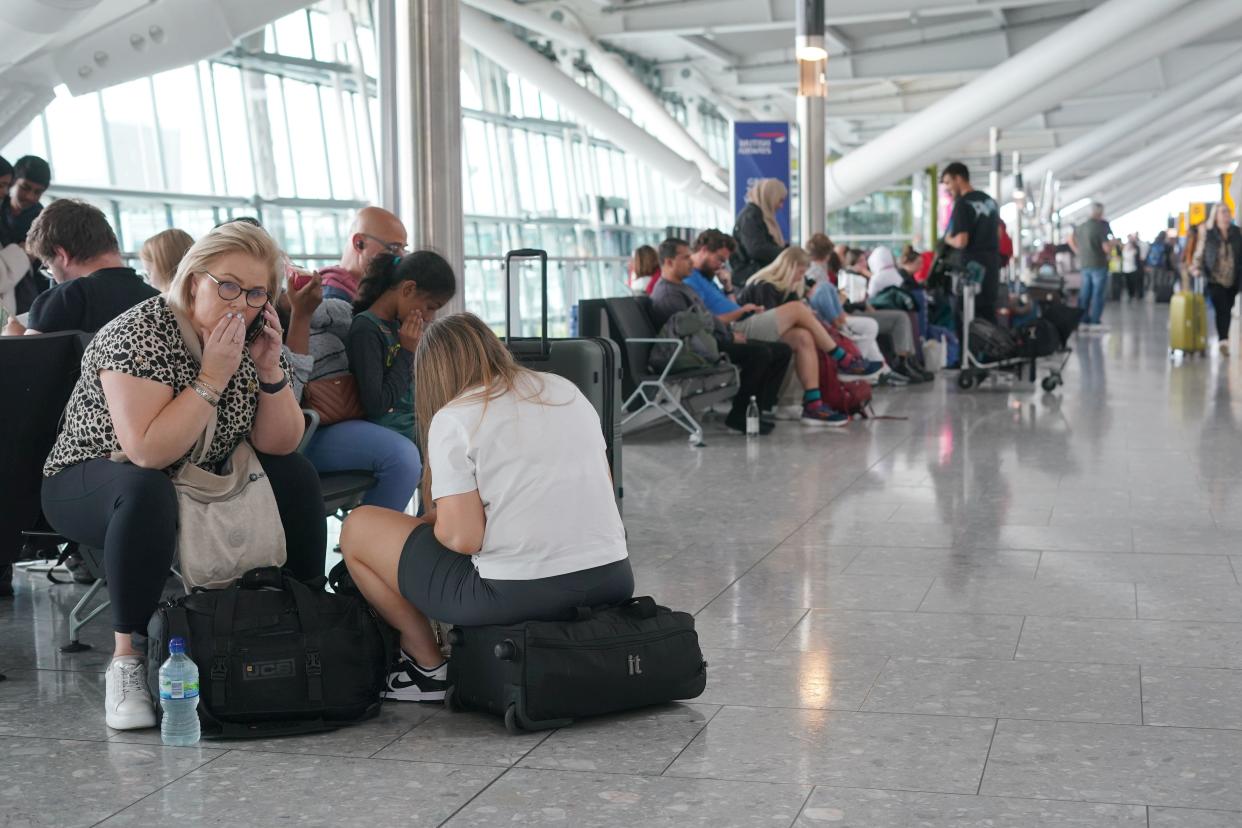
point(451, 457)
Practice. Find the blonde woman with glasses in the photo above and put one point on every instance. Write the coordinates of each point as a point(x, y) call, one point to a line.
point(143, 393)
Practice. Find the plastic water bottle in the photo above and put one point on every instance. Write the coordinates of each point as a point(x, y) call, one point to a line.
point(179, 697)
point(752, 418)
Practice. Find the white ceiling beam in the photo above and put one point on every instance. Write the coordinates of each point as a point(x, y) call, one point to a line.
point(642, 20)
point(710, 49)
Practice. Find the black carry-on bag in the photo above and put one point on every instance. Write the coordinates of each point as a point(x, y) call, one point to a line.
point(591, 363)
point(275, 656)
point(544, 674)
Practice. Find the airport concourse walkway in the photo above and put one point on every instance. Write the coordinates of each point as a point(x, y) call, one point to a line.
point(1011, 609)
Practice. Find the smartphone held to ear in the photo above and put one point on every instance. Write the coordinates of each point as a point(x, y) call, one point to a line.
point(255, 329)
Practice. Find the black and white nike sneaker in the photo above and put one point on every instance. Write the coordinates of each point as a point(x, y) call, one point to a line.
point(409, 682)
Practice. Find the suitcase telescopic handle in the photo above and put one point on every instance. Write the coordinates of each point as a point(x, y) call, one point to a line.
point(527, 253)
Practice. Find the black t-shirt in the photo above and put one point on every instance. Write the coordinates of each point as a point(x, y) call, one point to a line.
point(977, 213)
point(90, 302)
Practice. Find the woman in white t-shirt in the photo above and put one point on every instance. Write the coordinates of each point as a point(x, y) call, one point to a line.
point(523, 523)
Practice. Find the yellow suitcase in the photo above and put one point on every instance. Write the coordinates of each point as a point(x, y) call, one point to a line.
point(1188, 322)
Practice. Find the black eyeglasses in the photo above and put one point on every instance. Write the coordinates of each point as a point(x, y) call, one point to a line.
point(228, 291)
point(395, 248)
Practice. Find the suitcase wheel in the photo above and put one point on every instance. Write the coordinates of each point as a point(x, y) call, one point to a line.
point(506, 650)
point(511, 720)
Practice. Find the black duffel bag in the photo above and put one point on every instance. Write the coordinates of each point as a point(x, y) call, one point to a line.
point(275, 656)
point(990, 342)
point(1039, 338)
point(545, 674)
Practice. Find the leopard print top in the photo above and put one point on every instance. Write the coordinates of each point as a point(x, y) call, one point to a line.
point(145, 342)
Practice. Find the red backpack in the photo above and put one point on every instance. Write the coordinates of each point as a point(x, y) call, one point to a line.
point(852, 397)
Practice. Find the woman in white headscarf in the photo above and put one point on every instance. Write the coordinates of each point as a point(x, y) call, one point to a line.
point(884, 272)
point(758, 233)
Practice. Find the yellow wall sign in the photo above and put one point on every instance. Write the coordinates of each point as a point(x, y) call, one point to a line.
point(1181, 224)
point(1198, 212)
point(1226, 186)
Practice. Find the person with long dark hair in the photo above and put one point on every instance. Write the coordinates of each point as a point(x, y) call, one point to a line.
point(396, 298)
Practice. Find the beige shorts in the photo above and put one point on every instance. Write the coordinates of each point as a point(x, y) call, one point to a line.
point(762, 327)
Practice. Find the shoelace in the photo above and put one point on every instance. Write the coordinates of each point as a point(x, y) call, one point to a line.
point(132, 678)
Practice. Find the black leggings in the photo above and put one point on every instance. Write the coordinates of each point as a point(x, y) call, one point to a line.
point(762, 366)
point(1222, 303)
point(131, 513)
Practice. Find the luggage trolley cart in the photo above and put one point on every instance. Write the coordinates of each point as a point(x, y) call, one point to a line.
point(974, 371)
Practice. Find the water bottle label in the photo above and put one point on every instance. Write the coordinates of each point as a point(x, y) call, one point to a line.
point(178, 689)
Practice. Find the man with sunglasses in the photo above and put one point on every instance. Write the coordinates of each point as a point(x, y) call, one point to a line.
point(375, 231)
point(80, 254)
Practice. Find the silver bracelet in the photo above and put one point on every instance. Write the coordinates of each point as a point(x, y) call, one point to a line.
point(202, 392)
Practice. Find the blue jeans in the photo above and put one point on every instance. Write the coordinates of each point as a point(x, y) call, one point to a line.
point(358, 445)
point(1094, 293)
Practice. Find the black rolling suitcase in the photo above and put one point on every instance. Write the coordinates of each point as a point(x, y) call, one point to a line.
point(591, 363)
point(544, 674)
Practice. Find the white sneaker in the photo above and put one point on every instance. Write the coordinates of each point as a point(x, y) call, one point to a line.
point(127, 702)
point(790, 413)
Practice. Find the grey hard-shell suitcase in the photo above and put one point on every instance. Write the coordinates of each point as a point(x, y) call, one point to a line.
point(591, 363)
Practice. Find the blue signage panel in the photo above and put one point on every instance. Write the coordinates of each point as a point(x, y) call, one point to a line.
point(760, 150)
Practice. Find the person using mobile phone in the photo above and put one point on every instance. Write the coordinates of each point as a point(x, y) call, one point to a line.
point(399, 295)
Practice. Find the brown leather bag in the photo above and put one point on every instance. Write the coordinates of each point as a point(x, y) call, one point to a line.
point(334, 399)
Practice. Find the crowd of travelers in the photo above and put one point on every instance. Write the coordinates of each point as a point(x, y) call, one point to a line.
point(225, 342)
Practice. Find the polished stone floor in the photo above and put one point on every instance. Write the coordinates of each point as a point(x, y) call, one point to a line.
point(1011, 609)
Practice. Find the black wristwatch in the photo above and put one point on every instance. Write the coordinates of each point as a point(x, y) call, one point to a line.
point(274, 387)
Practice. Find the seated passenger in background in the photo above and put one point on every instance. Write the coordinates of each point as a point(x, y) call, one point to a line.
point(644, 270)
point(14, 263)
point(93, 285)
point(375, 231)
point(143, 393)
point(524, 524)
point(762, 364)
point(399, 295)
point(315, 346)
point(161, 254)
point(20, 207)
point(825, 300)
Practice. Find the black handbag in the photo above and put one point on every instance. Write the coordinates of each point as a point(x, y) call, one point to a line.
point(275, 656)
point(544, 674)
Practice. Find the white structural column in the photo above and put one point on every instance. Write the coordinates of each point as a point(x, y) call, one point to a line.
point(495, 41)
point(1214, 86)
point(612, 71)
point(1197, 132)
point(972, 106)
point(812, 91)
point(428, 105)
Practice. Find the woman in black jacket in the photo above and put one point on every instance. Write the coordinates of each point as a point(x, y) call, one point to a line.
point(758, 233)
point(1219, 258)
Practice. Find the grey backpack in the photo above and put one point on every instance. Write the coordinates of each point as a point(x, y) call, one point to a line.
point(695, 328)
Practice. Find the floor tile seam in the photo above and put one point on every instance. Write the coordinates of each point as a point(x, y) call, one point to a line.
point(802, 808)
point(874, 681)
point(397, 738)
point(1025, 615)
point(692, 740)
point(1148, 662)
point(476, 795)
point(926, 592)
point(1019, 797)
point(1142, 702)
point(1233, 569)
point(1149, 728)
point(1001, 717)
point(171, 782)
point(983, 770)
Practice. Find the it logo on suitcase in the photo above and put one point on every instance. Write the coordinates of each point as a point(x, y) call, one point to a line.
point(636, 665)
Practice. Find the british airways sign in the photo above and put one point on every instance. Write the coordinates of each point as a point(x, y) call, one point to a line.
point(760, 150)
